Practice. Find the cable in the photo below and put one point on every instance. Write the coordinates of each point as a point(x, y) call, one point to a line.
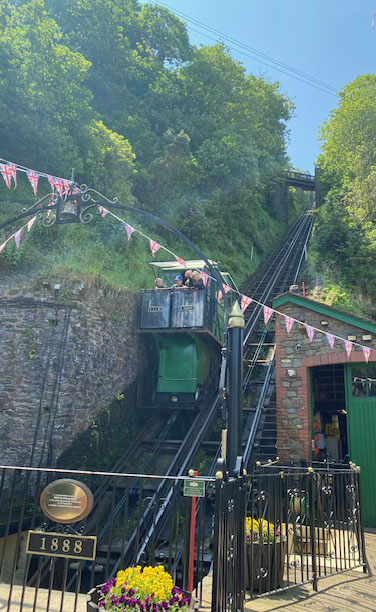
point(292, 72)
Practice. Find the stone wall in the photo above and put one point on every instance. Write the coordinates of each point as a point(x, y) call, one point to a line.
point(64, 356)
point(295, 352)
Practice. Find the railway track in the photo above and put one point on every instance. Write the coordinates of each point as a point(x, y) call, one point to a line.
point(277, 274)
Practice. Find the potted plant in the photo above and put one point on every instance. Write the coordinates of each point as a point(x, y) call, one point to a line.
point(265, 555)
point(137, 589)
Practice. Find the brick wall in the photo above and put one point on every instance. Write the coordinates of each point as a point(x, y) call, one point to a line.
point(295, 352)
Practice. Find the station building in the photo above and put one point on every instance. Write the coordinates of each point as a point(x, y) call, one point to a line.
point(326, 401)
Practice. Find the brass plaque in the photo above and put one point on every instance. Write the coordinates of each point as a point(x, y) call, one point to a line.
point(62, 545)
point(66, 501)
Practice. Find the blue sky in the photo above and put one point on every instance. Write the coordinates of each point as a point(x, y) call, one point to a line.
point(331, 40)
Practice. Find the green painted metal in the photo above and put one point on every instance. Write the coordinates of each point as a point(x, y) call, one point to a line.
point(183, 362)
point(325, 310)
point(361, 429)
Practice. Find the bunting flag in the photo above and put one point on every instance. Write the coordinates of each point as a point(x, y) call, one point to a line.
point(374, 21)
point(33, 178)
point(366, 352)
point(67, 188)
point(245, 302)
point(289, 323)
point(181, 261)
point(17, 238)
point(154, 246)
point(267, 313)
point(51, 181)
point(59, 186)
point(310, 332)
point(103, 211)
point(13, 171)
point(219, 296)
point(330, 339)
point(227, 288)
point(130, 230)
point(348, 346)
point(7, 175)
point(205, 278)
point(31, 223)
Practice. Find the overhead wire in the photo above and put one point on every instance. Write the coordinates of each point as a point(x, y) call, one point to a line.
point(254, 54)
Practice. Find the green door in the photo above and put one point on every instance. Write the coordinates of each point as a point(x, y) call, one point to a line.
point(361, 428)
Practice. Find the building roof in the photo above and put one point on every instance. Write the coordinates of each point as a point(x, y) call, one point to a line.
point(324, 309)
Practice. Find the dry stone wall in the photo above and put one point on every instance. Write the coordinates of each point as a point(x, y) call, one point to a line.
point(64, 356)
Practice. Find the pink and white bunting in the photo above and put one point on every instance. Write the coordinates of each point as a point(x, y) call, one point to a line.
point(289, 323)
point(13, 171)
point(205, 278)
point(310, 332)
point(17, 238)
point(348, 347)
point(31, 223)
point(245, 302)
point(7, 174)
point(219, 296)
point(154, 246)
point(330, 339)
point(181, 261)
point(130, 230)
point(366, 352)
point(267, 313)
point(103, 211)
point(33, 178)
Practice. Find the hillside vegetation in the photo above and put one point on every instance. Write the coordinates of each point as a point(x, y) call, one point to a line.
point(344, 244)
point(115, 90)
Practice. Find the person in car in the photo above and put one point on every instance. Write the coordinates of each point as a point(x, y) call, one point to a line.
point(178, 282)
point(188, 278)
point(197, 282)
point(158, 284)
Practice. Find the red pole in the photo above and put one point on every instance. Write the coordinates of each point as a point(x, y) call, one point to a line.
point(303, 287)
point(192, 539)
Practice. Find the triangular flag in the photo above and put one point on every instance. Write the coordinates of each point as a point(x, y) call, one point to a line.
point(130, 230)
point(33, 178)
point(13, 171)
point(310, 332)
point(289, 323)
point(366, 352)
point(59, 184)
point(227, 288)
point(348, 346)
point(245, 302)
point(219, 296)
point(103, 211)
point(7, 175)
point(17, 238)
point(154, 246)
point(31, 223)
point(181, 261)
point(267, 313)
point(205, 278)
point(330, 339)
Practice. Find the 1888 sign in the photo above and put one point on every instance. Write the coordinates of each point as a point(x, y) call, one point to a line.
point(61, 545)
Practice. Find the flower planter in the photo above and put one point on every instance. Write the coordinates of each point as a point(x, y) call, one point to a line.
point(95, 595)
point(264, 565)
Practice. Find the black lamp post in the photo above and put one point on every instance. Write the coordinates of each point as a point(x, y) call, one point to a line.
point(235, 383)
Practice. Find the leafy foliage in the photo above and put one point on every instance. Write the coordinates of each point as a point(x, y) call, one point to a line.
point(345, 236)
point(114, 89)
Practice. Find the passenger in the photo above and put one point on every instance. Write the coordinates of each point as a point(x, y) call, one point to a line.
point(178, 282)
point(198, 283)
point(158, 284)
point(188, 278)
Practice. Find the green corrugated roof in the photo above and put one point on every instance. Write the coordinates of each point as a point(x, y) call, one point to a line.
point(324, 309)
